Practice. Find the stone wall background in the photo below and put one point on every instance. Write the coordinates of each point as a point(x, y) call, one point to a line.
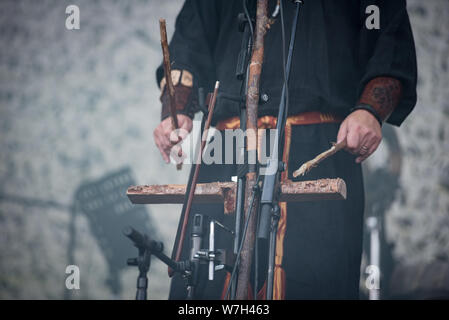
point(78, 105)
point(418, 221)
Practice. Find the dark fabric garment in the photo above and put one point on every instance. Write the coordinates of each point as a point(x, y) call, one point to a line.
point(334, 57)
point(323, 240)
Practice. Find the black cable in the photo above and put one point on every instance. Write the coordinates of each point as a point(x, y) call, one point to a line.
point(245, 9)
point(248, 214)
point(284, 70)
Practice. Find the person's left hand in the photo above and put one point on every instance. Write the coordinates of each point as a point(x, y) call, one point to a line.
point(362, 132)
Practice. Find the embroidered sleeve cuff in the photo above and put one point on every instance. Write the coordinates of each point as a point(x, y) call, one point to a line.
point(382, 94)
point(184, 97)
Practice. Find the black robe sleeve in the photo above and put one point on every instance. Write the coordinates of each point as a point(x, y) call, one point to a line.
point(390, 51)
point(192, 45)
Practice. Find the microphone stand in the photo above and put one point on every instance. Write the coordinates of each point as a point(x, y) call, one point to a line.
point(270, 211)
point(241, 74)
point(216, 259)
point(148, 247)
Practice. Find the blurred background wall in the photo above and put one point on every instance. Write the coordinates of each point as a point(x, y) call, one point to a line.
point(77, 111)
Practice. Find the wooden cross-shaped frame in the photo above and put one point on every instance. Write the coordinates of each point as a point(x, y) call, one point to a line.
point(224, 192)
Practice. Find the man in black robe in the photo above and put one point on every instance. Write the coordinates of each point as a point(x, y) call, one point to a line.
point(347, 78)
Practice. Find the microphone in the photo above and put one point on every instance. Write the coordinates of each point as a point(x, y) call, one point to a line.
point(143, 241)
point(197, 235)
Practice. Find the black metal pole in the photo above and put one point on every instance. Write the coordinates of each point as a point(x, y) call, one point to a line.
point(271, 179)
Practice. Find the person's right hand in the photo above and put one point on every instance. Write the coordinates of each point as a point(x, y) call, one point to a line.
point(165, 138)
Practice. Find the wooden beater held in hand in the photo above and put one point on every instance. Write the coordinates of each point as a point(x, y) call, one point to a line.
point(168, 79)
point(306, 167)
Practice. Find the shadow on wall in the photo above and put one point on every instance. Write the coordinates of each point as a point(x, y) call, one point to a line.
point(104, 203)
point(108, 210)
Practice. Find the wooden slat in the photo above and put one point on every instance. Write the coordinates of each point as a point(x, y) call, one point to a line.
point(322, 189)
point(224, 192)
point(217, 192)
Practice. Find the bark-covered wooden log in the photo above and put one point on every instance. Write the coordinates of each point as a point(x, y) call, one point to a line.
point(252, 103)
point(224, 192)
